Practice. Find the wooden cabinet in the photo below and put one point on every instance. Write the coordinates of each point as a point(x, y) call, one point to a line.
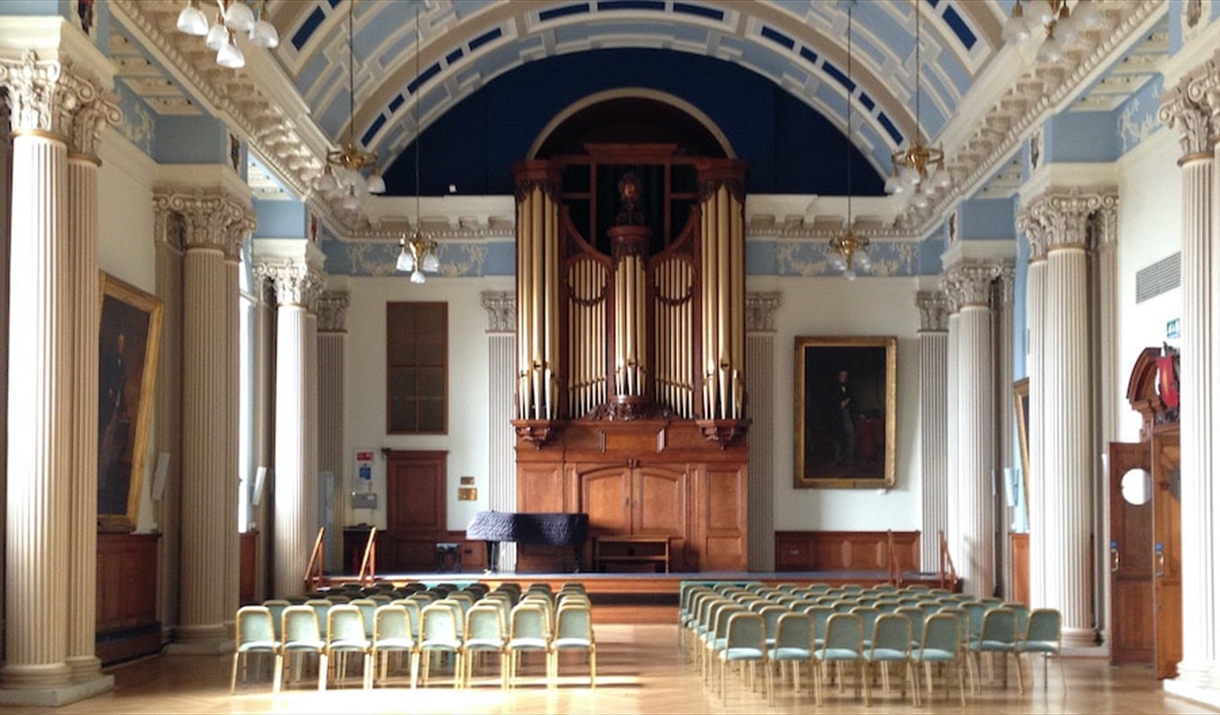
point(127, 624)
point(845, 550)
point(651, 480)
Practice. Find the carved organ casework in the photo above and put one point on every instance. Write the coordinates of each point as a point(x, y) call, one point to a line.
point(630, 397)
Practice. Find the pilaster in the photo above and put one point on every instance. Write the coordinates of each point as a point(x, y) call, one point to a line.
point(501, 310)
point(933, 413)
point(761, 309)
point(331, 312)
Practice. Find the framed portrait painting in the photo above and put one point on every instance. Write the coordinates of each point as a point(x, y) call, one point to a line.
point(845, 412)
point(129, 333)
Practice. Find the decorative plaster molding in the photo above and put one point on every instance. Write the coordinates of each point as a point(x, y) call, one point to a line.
point(210, 220)
point(295, 282)
point(1191, 119)
point(969, 282)
point(1064, 215)
point(761, 309)
point(501, 307)
point(332, 311)
point(933, 311)
point(52, 96)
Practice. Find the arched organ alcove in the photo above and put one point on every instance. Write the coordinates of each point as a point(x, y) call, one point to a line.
point(630, 398)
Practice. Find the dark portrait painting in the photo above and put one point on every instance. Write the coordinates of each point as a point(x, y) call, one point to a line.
point(844, 412)
point(128, 334)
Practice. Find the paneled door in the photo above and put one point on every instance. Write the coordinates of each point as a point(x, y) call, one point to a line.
point(1132, 638)
point(415, 512)
point(1167, 551)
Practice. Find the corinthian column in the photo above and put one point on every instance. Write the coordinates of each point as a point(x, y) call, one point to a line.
point(49, 105)
point(1192, 108)
point(501, 310)
point(1034, 370)
point(214, 226)
point(933, 420)
point(1067, 378)
point(970, 488)
point(297, 284)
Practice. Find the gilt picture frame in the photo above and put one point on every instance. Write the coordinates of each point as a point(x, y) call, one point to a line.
point(845, 412)
point(129, 335)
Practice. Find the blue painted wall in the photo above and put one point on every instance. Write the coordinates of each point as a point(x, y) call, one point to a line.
point(281, 219)
point(191, 140)
point(791, 149)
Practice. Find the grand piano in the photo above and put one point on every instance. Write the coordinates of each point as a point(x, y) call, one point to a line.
point(558, 529)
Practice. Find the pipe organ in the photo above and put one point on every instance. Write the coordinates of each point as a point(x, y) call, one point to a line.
point(630, 401)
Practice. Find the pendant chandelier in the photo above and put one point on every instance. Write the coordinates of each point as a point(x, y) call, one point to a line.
point(232, 16)
point(1059, 24)
point(919, 170)
point(344, 172)
point(850, 252)
point(418, 252)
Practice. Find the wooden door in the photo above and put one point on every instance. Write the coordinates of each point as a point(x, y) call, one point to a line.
point(415, 512)
point(1167, 551)
point(605, 495)
point(1131, 627)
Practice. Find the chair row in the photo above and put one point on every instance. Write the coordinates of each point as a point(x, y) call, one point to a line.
point(445, 627)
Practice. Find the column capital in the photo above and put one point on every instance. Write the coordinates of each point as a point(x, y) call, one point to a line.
point(1059, 217)
point(332, 311)
point(209, 220)
point(969, 282)
point(1190, 117)
point(51, 97)
point(760, 311)
point(295, 282)
point(501, 307)
point(933, 311)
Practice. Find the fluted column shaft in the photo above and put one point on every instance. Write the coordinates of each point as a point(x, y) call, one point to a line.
point(953, 532)
point(1066, 428)
point(933, 418)
point(39, 408)
point(1036, 429)
point(214, 226)
point(332, 362)
point(1191, 109)
point(976, 451)
point(761, 309)
point(1062, 565)
point(296, 483)
point(501, 371)
point(83, 282)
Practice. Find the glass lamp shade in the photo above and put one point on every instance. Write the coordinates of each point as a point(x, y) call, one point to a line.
point(942, 179)
point(1085, 12)
point(417, 277)
point(849, 274)
point(1015, 30)
point(1050, 51)
point(1067, 29)
point(263, 34)
point(431, 262)
point(919, 200)
point(326, 182)
point(836, 261)
point(351, 202)
point(230, 56)
point(217, 37)
point(192, 21)
point(861, 259)
point(239, 17)
point(894, 185)
point(1039, 12)
point(376, 184)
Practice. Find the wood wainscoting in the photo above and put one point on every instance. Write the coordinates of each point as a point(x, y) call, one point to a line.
point(845, 550)
point(127, 624)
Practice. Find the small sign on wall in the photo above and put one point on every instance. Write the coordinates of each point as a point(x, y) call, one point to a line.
point(364, 464)
point(1173, 329)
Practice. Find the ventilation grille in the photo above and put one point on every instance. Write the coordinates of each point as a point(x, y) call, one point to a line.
point(1160, 277)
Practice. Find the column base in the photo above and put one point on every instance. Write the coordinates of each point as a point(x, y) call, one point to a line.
point(1079, 638)
point(57, 695)
point(85, 668)
point(1195, 684)
point(201, 640)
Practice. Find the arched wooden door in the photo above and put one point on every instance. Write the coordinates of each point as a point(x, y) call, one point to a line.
point(416, 518)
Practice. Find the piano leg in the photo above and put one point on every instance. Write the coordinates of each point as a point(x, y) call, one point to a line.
point(493, 557)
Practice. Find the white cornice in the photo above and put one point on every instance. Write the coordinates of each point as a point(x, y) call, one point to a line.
point(1075, 174)
point(968, 250)
point(52, 35)
point(294, 250)
point(187, 178)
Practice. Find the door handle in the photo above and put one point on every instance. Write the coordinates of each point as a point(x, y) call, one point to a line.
point(1160, 560)
point(1113, 557)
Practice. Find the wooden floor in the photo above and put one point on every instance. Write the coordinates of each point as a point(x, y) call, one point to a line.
point(640, 670)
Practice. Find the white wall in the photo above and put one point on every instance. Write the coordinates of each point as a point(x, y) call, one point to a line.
point(1149, 229)
point(836, 307)
point(466, 442)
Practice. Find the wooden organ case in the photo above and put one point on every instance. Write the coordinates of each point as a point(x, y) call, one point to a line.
point(630, 396)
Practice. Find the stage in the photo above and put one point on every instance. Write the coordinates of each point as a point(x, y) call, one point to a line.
point(643, 597)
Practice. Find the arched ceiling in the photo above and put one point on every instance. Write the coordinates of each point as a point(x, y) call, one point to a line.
point(461, 45)
point(979, 98)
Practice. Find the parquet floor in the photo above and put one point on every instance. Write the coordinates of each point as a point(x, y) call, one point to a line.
point(640, 670)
